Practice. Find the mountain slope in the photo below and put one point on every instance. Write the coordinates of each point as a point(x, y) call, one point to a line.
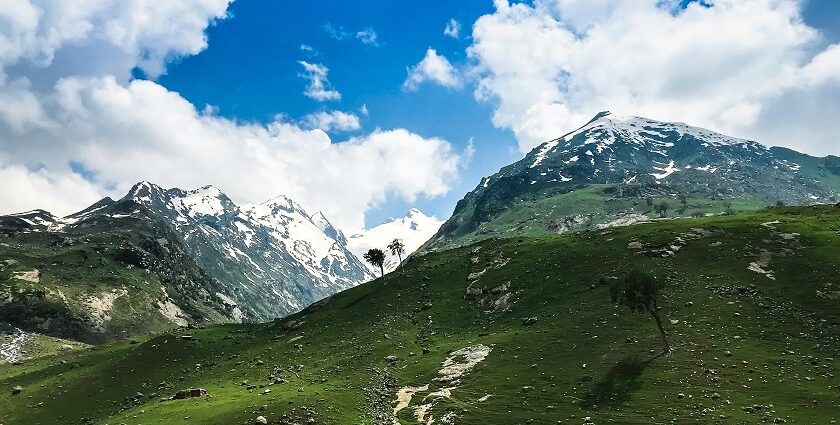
point(508, 331)
point(413, 230)
point(618, 170)
point(99, 277)
point(253, 262)
point(273, 257)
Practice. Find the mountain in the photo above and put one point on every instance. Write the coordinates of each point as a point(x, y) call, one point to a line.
point(505, 331)
point(414, 229)
point(111, 271)
point(619, 170)
point(252, 262)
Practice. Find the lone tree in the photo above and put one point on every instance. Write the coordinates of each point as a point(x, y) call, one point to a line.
point(662, 209)
point(639, 292)
point(397, 248)
point(376, 257)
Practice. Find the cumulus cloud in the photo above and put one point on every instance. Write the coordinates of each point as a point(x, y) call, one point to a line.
point(452, 29)
point(750, 68)
point(319, 87)
point(163, 138)
point(72, 134)
point(335, 120)
point(434, 68)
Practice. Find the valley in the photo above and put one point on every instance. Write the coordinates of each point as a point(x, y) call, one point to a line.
point(514, 330)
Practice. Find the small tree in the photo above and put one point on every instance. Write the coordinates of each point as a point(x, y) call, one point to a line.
point(376, 257)
point(639, 291)
point(662, 209)
point(397, 248)
point(728, 210)
point(684, 203)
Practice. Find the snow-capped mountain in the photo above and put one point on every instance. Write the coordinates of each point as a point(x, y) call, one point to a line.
point(613, 161)
point(272, 259)
point(414, 229)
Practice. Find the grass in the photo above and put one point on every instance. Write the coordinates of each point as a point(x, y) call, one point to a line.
point(748, 348)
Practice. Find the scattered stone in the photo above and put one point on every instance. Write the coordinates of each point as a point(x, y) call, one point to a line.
point(528, 321)
point(189, 393)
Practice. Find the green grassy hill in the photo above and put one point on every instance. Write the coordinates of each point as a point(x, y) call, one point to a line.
point(507, 331)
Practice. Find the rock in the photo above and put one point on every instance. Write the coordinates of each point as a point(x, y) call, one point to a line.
point(66, 347)
point(634, 245)
point(680, 396)
point(728, 353)
point(17, 390)
point(189, 393)
point(528, 321)
point(261, 420)
point(689, 303)
point(392, 359)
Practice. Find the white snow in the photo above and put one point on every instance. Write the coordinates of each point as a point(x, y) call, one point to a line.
point(414, 229)
point(665, 171)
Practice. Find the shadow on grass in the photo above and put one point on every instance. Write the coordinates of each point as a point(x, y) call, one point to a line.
point(618, 385)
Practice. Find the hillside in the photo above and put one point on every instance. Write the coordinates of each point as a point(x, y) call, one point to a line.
point(617, 170)
point(506, 331)
point(159, 258)
point(105, 277)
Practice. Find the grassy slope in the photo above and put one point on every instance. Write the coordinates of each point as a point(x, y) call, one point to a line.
point(533, 217)
point(71, 274)
point(583, 357)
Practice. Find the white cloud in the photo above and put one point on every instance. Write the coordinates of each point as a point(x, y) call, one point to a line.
point(22, 189)
point(750, 68)
point(368, 36)
point(146, 33)
point(453, 29)
point(319, 87)
point(123, 131)
point(335, 120)
point(434, 68)
point(164, 139)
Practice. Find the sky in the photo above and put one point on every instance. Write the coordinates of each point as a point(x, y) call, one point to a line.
point(366, 109)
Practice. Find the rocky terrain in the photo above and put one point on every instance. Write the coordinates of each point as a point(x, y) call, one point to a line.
point(518, 330)
point(158, 258)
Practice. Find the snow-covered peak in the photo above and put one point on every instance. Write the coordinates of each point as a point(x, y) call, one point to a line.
point(414, 229)
point(206, 201)
point(278, 205)
point(606, 129)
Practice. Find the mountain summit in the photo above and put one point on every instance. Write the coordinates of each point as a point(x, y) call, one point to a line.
point(620, 169)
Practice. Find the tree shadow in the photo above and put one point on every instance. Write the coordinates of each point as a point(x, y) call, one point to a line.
point(618, 385)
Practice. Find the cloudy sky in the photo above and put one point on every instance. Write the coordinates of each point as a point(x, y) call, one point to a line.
point(365, 109)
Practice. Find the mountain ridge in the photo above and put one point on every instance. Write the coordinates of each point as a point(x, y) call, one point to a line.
point(612, 162)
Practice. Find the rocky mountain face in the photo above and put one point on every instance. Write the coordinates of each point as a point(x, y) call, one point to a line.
point(273, 257)
point(414, 229)
point(195, 256)
point(111, 271)
point(620, 170)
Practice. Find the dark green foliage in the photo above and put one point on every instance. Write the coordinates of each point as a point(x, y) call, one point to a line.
point(397, 248)
point(376, 257)
point(639, 292)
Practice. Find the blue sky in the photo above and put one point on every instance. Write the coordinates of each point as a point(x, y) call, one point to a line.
point(96, 96)
point(250, 71)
